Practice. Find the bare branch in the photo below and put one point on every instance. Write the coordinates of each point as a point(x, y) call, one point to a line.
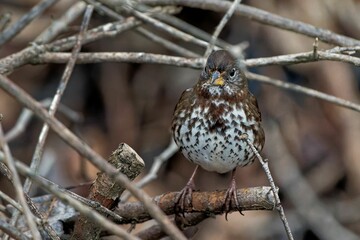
point(220, 26)
point(279, 207)
point(12, 231)
point(58, 25)
point(16, 60)
point(265, 18)
point(17, 185)
point(158, 162)
point(57, 98)
point(92, 156)
point(301, 193)
point(304, 90)
point(14, 29)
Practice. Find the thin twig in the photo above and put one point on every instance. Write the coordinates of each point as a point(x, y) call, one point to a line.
point(16, 60)
point(265, 166)
point(301, 194)
point(305, 57)
point(25, 117)
point(158, 162)
point(264, 17)
point(95, 205)
point(148, 34)
point(198, 63)
point(14, 29)
point(10, 201)
point(86, 151)
point(17, 185)
point(4, 21)
point(12, 231)
point(220, 27)
point(307, 91)
point(167, 28)
point(58, 25)
point(83, 209)
point(57, 98)
point(191, 29)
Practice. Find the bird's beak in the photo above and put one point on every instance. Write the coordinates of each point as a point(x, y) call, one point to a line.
point(217, 79)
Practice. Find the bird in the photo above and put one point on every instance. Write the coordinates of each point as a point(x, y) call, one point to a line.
point(213, 122)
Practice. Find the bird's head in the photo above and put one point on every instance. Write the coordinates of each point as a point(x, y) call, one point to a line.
point(221, 76)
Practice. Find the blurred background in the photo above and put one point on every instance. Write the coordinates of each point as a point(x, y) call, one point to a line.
point(309, 142)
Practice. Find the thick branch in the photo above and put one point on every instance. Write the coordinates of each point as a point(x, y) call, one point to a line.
point(257, 198)
point(107, 192)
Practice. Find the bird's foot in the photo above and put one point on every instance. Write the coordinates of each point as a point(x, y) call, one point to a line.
point(230, 196)
point(184, 198)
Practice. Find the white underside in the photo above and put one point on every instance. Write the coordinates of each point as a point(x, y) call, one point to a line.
point(221, 153)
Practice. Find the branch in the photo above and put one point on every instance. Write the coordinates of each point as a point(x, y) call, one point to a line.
point(86, 151)
point(155, 167)
point(13, 30)
point(300, 192)
point(199, 63)
point(220, 27)
point(17, 185)
point(12, 231)
point(256, 198)
point(106, 192)
point(265, 18)
point(307, 91)
point(279, 207)
point(16, 60)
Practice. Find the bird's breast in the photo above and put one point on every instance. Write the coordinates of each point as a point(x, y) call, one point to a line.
point(212, 136)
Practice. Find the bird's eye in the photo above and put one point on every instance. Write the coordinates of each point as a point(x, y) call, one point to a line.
point(232, 73)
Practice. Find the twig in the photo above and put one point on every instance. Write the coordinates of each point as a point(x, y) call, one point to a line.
point(11, 201)
point(141, 57)
point(57, 26)
point(36, 159)
point(158, 162)
point(308, 91)
point(198, 63)
point(191, 29)
point(300, 192)
point(133, 57)
point(279, 208)
point(39, 218)
point(220, 27)
point(265, 18)
point(83, 209)
point(106, 192)
point(17, 185)
point(26, 114)
point(16, 60)
point(11, 31)
point(148, 34)
point(167, 28)
point(94, 205)
point(305, 57)
point(315, 48)
point(57, 98)
point(12, 231)
point(4, 20)
point(88, 153)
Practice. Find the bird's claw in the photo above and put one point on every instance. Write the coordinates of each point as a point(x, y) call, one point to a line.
point(230, 196)
point(183, 199)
